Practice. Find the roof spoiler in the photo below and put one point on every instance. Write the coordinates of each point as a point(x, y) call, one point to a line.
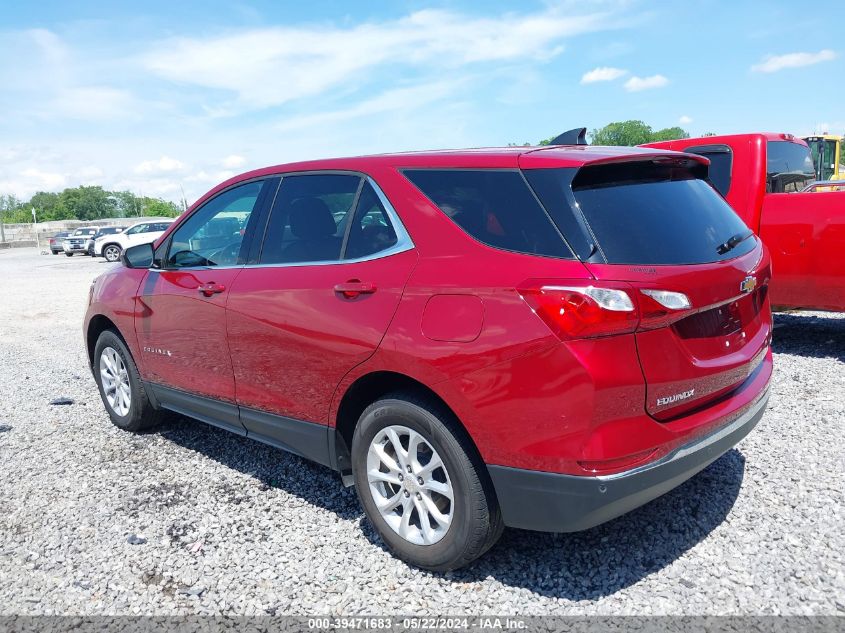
point(576, 136)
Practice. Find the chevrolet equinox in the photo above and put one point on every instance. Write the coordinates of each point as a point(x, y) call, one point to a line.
point(543, 338)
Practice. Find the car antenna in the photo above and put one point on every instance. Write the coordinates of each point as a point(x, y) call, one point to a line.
point(576, 136)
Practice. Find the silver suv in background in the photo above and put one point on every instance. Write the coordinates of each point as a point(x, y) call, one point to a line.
point(111, 246)
point(77, 242)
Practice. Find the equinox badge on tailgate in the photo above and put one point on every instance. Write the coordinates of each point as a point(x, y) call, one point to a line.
point(674, 398)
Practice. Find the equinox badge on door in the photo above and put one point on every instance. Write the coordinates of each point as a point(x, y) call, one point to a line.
point(748, 284)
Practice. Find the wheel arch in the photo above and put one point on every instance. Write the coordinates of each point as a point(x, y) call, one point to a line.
point(367, 389)
point(106, 245)
point(98, 324)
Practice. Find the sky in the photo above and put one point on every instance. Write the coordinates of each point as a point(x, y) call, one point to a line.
point(161, 97)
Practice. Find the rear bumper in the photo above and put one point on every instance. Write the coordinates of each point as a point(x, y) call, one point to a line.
point(552, 502)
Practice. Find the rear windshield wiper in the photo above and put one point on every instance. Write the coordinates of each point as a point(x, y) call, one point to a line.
point(733, 241)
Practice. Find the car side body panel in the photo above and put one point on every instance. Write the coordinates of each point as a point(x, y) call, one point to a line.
point(805, 233)
point(114, 295)
point(182, 332)
point(277, 316)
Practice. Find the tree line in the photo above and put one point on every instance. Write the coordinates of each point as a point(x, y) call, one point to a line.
point(83, 203)
point(629, 133)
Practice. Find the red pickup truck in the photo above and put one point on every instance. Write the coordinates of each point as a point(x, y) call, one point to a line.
point(764, 177)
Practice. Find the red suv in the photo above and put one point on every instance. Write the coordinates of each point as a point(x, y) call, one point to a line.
point(542, 338)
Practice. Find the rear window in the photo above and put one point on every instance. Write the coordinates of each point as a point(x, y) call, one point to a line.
point(495, 207)
point(655, 214)
point(789, 167)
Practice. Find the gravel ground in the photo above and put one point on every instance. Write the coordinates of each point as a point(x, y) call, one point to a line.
point(191, 519)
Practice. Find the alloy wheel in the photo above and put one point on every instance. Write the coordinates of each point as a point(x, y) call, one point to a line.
point(410, 485)
point(112, 253)
point(115, 381)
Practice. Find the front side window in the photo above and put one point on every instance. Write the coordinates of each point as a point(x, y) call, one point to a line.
point(495, 207)
point(309, 218)
point(789, 167)
point(213, 235)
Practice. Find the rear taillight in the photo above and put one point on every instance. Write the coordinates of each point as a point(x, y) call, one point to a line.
point(579, 310)
point(659, 308)
point(587, 310)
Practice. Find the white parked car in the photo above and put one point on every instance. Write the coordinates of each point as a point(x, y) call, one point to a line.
point(111, 246)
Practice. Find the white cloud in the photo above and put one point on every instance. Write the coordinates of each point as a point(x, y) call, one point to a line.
point(82, 107)
point(603, 73)
point(394, 100)
point(774, 63)
point(685, 120)
point(93, 103)
point(233, 161)
point(45, 179)
point(89, 172)
point(635, 84)
point(26, 182)
point(272, 66)
point(165, 164)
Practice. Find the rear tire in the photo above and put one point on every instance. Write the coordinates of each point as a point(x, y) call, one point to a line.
point(120, 385)
point(438, 533)
point(112, 252)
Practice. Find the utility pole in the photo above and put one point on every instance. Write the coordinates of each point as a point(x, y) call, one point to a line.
point(35, 228)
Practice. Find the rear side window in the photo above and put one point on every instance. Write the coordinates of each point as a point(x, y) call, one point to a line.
point(789, 167)
point(647, 213)
point(371, 230)
point(495, 207)
point(721, 161)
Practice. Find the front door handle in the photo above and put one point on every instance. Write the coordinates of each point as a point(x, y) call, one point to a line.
point(211, 288)
point(355, 287)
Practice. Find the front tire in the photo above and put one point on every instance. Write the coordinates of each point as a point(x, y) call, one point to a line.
point(422, 485)
point(69, 254)
point(112, 252)
point(120, 385)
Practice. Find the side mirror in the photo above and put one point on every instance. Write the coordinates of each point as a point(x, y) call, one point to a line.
point(140, 256)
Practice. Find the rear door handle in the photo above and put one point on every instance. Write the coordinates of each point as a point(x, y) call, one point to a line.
point(354, 287)
point(211, 288)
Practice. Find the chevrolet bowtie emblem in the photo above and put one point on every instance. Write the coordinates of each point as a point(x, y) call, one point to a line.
point(748, 284)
